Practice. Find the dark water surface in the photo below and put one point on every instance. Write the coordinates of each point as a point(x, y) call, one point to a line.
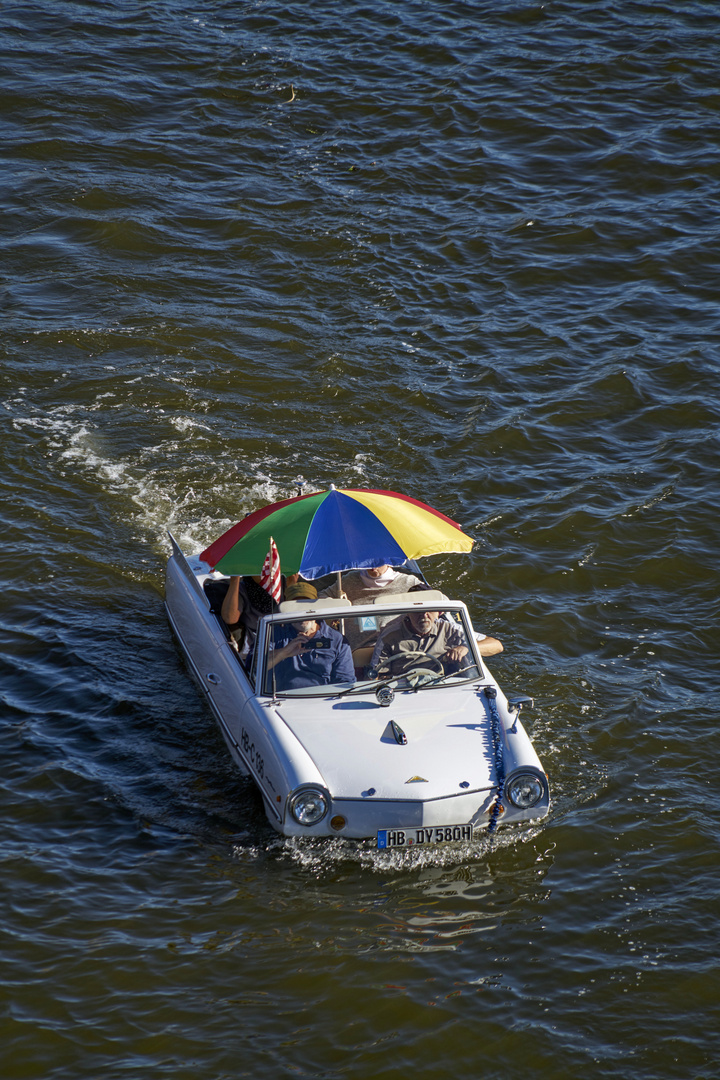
point(468, 251)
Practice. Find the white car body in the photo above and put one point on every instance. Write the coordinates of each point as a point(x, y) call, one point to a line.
point(339, 742)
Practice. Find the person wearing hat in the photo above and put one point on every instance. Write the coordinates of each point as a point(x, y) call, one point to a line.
point(306, 651)
point(295, 589)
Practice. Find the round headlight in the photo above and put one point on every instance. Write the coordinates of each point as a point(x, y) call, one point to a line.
point(309, 806)
point(525, 790)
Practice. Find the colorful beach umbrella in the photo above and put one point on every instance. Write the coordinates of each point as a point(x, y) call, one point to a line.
point(335, 530)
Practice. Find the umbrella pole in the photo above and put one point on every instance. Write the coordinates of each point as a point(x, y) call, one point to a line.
point(339, 589)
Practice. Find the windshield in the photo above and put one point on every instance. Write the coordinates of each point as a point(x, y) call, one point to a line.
point(414, 648)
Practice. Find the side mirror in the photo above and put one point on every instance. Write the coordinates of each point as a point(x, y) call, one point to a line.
point(515, 704)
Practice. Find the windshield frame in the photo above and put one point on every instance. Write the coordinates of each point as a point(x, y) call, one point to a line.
point(331, 610)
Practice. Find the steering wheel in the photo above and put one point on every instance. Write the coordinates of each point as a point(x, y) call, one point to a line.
point(430, 664)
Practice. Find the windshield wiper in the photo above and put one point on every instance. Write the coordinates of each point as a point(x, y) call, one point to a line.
point(416, 684)
point(449, 674)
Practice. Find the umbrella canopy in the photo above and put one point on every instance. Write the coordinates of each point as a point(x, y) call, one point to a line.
point(336, 530)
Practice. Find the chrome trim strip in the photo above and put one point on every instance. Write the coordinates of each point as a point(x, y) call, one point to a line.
point(372, 801)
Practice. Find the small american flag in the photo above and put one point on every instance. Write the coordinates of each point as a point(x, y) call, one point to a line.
point(270, 579)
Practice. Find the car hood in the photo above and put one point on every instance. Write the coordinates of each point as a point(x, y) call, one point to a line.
point(350, 739)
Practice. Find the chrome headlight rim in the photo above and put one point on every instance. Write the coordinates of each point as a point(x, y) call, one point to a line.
point(297, 805)
point(526, 776)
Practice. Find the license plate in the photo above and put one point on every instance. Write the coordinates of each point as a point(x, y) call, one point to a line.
point(440, 834)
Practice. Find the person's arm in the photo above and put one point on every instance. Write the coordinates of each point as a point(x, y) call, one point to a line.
point(333, 592)
point(284, 652)
point(381, 651)
point(343, 669)
point(489, 646)
point(454, 641)
point(456, 650)
point(232, 605)
point(387, 638)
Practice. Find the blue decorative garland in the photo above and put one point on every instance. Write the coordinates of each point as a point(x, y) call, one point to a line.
point(490, 696)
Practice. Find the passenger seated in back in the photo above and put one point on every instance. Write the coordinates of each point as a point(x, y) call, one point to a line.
point(362, 587)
